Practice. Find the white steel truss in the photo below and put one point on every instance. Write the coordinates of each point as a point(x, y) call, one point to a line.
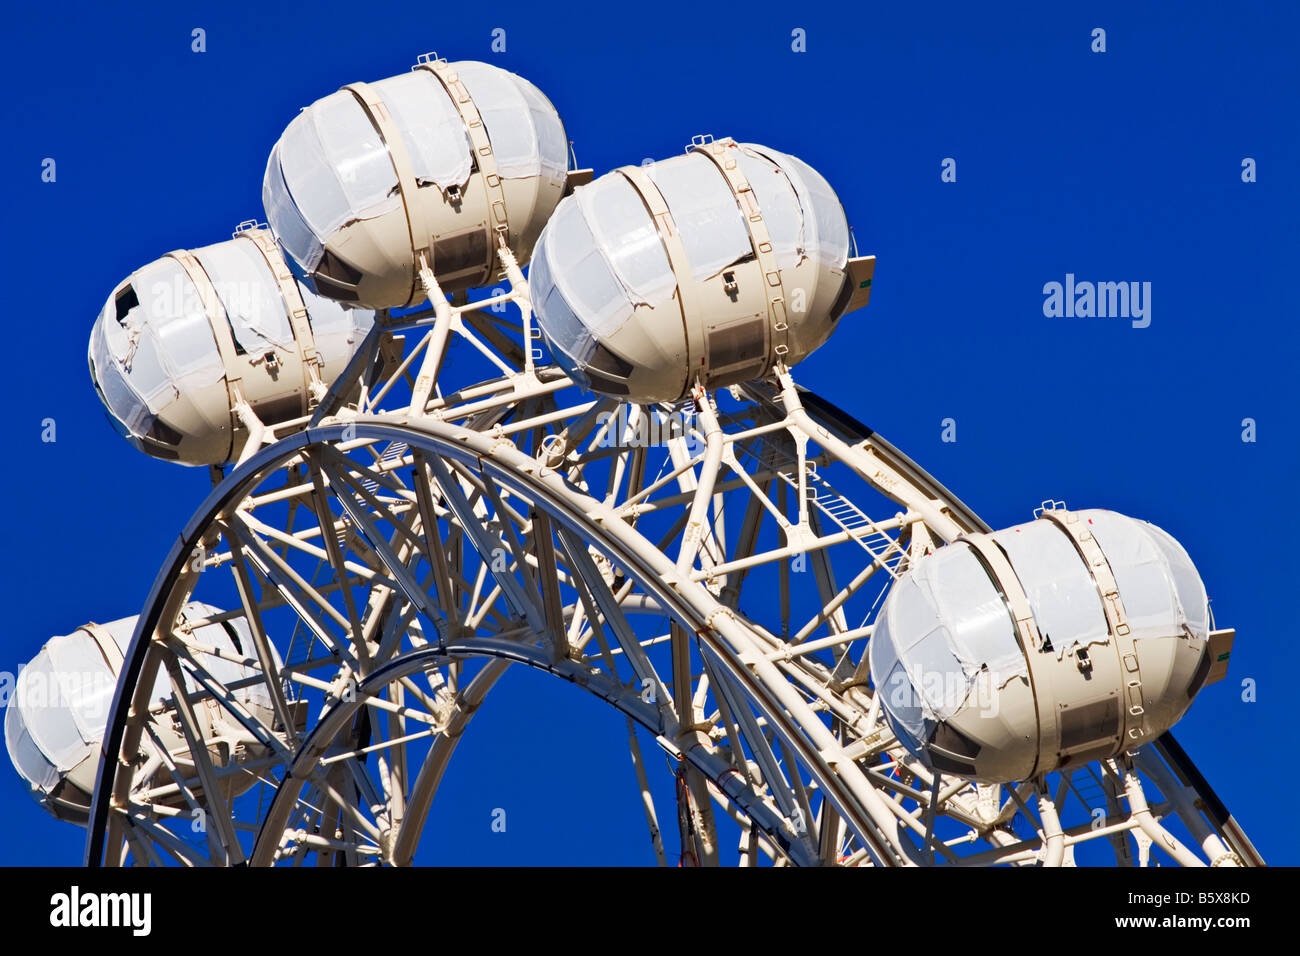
point(711, 570)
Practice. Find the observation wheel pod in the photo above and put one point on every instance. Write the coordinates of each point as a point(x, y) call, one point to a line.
point(718, 265)
point(1075, 637)
point(55, 722)
point(439, 167)
point(197, 348)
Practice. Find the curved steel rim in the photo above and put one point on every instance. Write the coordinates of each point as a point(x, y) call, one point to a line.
point(598, 684)
point(243, 478)
point(458, 442)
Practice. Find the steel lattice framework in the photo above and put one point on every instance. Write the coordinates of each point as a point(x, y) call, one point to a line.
point(712, 571)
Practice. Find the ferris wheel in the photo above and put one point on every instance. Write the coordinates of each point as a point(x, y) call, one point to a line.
point(427, 468)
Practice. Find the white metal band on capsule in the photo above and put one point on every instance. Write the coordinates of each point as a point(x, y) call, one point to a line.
point(759, 237)
point(107, 646)
point(677, 261)
point(221, 329)
point(295, 308)
point(1031, 641)
point(421, 233)
point(1116, 618)
point(391, 136)
point(478, 138)
point(305, 351)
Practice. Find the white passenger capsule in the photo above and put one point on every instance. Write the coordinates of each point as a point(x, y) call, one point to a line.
point(58, 714)
point(1074, 637)
point(186, 339)
point(716, 265)
point(439, 163)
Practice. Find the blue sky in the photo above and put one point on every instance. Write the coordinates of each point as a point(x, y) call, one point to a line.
point(1116, 166)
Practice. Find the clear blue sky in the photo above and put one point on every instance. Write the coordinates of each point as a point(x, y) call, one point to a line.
point(1122, 166)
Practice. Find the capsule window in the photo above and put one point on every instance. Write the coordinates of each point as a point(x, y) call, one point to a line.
point(1198, 678)
point(1061, 591)
point(627, 236)
point(949, 738)
point(554, 151)
point(603, 360)
point(334, 290)
point(1145, 586)
point(160, 431)
point(431, 128)
point(233, 635)
point(292, 232)
point(247, 291)
point(27, 754)
point(608, 385)
point(826, 230)
point(506, 117)
point(842, 297)
point(779, 204)
point(583, 273)
point(334, 267)
point(946, 764)
point(161, 451)
point(125, 301)
point(704, 209)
